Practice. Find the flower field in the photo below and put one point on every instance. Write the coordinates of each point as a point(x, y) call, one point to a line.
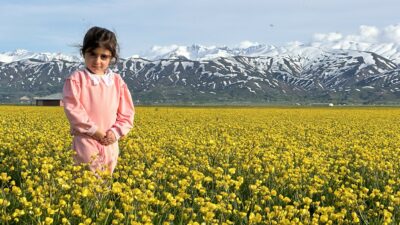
point(208, 166)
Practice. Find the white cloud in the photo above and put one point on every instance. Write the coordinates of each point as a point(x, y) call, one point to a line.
point(369, 32)
point(392, 33)
point(247, 44)
point(366, 34)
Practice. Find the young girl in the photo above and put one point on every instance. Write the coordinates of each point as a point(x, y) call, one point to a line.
point(97, 103)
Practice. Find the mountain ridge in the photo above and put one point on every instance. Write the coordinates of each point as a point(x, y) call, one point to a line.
point(312, 75)
point(200, 53)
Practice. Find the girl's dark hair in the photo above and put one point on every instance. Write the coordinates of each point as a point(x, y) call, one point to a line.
point(97, 37)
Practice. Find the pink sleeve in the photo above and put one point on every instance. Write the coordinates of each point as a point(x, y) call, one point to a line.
point(76, 113)
point(125, 114)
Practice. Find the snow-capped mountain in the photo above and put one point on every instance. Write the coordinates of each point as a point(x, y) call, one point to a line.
point(21, 54)
point(200, 53)
point(297, 74)
point(196, 52)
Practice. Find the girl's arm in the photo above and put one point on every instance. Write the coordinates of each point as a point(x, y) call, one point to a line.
point(125, 114)
point(74, 110)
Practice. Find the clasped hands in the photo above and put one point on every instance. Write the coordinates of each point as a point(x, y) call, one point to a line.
point(105, 138)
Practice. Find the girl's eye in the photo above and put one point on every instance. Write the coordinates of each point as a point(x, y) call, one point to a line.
point(102, 56)
point(105, 57)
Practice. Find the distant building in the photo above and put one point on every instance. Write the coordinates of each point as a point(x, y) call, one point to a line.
point(50, 100)
point(24, 100)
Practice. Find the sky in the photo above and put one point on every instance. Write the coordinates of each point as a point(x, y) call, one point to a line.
point(59, 25)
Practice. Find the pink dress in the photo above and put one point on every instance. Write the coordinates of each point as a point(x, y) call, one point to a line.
point(94, 102)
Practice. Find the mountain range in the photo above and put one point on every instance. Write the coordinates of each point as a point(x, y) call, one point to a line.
point(352, 73)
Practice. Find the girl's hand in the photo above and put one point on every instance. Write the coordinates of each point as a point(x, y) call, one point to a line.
point(99, 135)
point(109, 138)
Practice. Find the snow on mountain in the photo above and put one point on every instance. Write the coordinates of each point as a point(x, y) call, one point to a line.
point(193, 52)
point(200, 53)
point(196, 52)
point(388, 50)
point(21, 54)
point(293, 49)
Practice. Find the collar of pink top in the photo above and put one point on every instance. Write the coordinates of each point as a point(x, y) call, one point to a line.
point(107, 77)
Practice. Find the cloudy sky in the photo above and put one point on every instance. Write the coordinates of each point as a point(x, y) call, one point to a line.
point(59, 25)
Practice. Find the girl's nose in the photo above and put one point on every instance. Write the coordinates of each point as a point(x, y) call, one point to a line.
point(97, 59)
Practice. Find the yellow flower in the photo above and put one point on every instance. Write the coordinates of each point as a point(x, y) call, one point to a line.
point(255, 218)
point(171, 217)
point(16, 190)
point(48, 221)
point(65, 221)
point(4, 177)
point(355, 217)
point(324, 218)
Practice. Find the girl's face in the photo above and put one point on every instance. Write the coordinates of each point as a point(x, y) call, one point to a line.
point(98, 60)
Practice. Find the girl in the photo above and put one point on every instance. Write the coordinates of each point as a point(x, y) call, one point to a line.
point(97, 103)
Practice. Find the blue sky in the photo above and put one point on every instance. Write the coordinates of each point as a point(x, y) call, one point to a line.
point(59, 25)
